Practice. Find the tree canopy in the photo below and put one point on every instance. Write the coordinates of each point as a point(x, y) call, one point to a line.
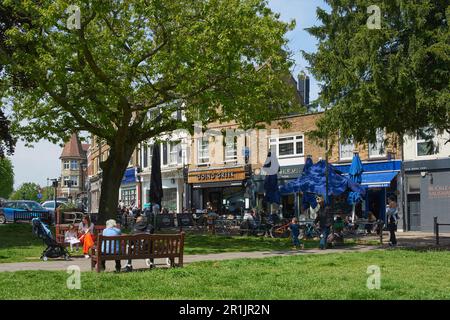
point(129, 66)
point(27, 191)
point(396, 77)
point(6, 178)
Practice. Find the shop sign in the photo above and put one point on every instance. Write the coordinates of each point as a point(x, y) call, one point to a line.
point(231, 174)
point(438, 192)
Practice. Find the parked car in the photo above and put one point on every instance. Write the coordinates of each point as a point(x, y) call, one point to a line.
point(9, 206)
point(50, 205)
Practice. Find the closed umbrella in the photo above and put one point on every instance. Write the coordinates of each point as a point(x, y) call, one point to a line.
point(156, 190)
point(308, 199)
point(270, 169)
point(355, 175)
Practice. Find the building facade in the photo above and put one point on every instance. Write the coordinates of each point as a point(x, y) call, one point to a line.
point(73, 180)
point(427, 174)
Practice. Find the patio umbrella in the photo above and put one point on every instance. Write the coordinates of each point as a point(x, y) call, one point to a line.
point(355, 175)
point(270, 169)
point(314, 181)
point(156, 190)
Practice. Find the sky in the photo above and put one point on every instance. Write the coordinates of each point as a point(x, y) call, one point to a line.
point(42, 162)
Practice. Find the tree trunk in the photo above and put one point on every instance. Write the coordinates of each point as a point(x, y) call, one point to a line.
point(112, 173)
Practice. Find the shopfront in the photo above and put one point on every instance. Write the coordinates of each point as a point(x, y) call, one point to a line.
point(128, 188)
point(380, 179)
point(290, 203)
point(427, 193)
point(224, 188)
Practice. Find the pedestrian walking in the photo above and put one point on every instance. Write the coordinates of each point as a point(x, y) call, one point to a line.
point(392, 219)
point(325, 220)
point(294, 227)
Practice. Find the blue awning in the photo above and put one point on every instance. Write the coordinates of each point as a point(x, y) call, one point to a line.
point(129, 176)
point(378, 179)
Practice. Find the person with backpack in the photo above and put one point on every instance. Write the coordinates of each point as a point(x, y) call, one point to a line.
point(140, 227)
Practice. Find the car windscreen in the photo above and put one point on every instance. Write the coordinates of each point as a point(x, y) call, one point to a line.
point(49, 205)
point(34, 206)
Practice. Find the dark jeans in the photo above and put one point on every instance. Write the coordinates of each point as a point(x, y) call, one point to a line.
point(296, 242)
point(118, 266)
point(323, 237)
point(392, 227)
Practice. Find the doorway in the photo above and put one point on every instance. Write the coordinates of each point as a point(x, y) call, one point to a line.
point(413, 207)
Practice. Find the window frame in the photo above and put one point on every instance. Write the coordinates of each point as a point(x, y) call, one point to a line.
point(383, 131)
point(201, 151)
point(288, 139)
point(352, 143)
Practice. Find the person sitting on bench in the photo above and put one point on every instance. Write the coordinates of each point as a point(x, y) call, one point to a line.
point(140, 227)
point(111, 230)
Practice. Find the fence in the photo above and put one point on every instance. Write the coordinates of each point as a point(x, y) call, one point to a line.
point(436, 228)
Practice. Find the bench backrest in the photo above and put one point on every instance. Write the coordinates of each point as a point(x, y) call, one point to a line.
point(141, 245)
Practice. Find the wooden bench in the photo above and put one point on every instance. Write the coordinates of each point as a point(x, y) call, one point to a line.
point(60, 230)
point(30, 215)
point(141, 246)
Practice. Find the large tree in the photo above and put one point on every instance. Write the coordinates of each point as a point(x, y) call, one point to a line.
point(209, 59)
point(6, 178)
point(395, 77)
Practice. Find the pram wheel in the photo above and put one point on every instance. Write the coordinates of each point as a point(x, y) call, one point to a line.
point(44, 258)
point(66, 257)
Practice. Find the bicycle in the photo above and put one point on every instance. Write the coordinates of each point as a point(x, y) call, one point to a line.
point(280, 231)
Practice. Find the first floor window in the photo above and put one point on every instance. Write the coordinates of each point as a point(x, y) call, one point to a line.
point(73, 165)
point(230, 148)
point(66, 180)
point(426, 145)
point(378, 149)
point(203, 150)
point(287, 147)
point(66, 165)
point(346, 150)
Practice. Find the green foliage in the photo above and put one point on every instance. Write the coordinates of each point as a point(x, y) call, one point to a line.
point(127, 59)
point(27, 191)
point(217, 60)
point(47, 193)
point(396, 77)
point(6, 178)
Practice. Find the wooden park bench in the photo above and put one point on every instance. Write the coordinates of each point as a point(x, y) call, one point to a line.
point(60, 230)
point(141, 246)
point(29, 215)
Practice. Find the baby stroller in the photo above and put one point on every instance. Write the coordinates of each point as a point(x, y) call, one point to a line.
point(53, 250)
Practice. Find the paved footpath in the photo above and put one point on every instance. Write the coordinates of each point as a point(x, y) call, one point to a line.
point(85, 264)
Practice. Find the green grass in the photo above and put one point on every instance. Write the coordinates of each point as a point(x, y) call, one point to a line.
point(18, 244)
point(404, 275)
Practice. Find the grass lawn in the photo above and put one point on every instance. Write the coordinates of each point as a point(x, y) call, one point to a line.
point(404, 275)
point(18, 244)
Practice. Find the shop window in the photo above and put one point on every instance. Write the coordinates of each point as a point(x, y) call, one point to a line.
point(378, 149)
point(426, 145)
point(128, 197)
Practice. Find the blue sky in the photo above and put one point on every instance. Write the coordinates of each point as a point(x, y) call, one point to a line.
point(42, 161)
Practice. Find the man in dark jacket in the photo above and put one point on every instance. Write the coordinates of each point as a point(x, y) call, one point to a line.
point(325, 220)
point(140, 227)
